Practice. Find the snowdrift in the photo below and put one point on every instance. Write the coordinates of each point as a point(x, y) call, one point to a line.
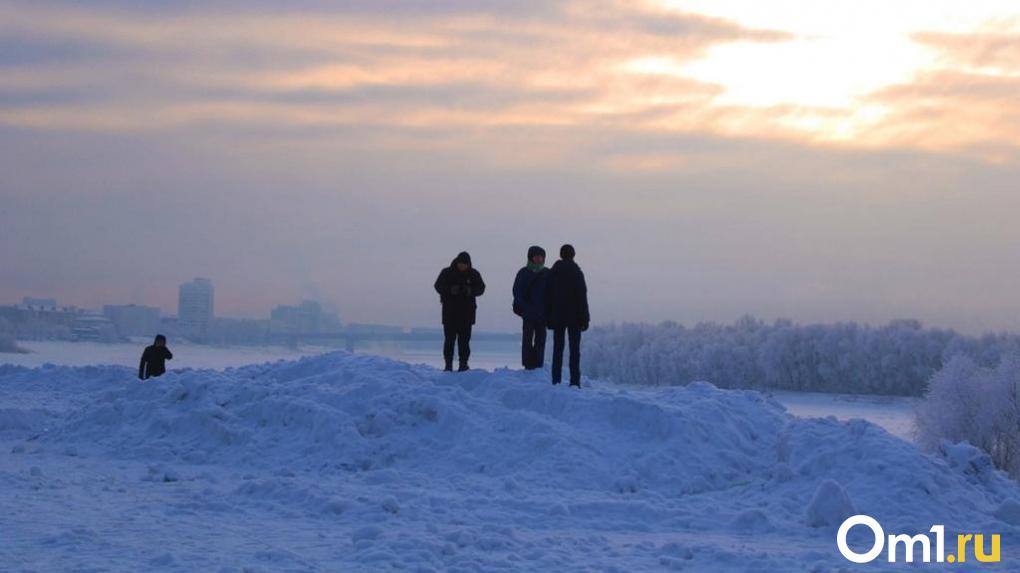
point(342, 462)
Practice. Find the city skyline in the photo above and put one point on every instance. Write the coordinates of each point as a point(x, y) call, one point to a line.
point(53, 303)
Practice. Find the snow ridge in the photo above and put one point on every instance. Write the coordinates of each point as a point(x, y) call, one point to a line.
point(402, 466)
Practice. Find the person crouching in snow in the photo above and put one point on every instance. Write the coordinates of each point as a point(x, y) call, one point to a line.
point(154, 359)
point(529, 304)
point(458, 286)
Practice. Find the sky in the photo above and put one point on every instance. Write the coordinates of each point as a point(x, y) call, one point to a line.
point(819, 161)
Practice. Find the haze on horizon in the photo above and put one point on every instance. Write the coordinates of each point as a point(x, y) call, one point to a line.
point(811, 160)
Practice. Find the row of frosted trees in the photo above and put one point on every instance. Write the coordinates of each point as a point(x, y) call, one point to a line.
point(896, 359)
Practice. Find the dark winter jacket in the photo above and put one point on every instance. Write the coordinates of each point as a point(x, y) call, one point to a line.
point(153, 361)
point(458, 291)
point(529, 294)
point(566, 296)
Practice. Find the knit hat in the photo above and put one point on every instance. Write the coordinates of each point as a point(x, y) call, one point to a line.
point(535, 251)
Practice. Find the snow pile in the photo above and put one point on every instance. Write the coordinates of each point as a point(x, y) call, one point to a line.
point(348, 461)
point(830, 505)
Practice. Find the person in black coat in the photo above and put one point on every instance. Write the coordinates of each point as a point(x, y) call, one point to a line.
point(154, 359)
point(566, 299)
point(458, 286)
point(529, 304)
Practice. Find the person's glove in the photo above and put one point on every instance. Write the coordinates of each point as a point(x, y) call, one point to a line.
point(518, 310)
point(584, 327)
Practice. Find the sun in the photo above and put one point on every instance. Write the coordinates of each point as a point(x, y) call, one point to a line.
point(836, 56)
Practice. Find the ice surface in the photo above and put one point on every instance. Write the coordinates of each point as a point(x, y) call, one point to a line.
point(354, 462)
point(894, 413)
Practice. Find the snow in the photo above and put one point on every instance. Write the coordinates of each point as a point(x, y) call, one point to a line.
point(830, 505)
point(484, 354)
point(356, 462)
point(1009, 512)
point(894, 413)
point(186, 355)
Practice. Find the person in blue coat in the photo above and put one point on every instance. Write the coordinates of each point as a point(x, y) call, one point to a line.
point(566, 301)
point(529, 304)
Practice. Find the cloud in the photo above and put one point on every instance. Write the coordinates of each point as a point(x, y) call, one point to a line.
point(967, 103)
point(404, 68)
point(480, 67)
point(990, 51)
point(276, 144)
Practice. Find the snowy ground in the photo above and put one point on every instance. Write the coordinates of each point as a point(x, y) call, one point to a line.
point(485, 355)
point(892, 413)
point(351, 462)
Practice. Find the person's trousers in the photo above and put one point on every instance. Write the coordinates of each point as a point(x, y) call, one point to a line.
point(459, 334)
point(533, 344)
point(573, 334)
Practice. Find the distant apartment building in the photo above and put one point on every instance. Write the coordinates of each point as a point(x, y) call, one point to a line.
point(40, 304)
point(195, 308)
point(169, 324)
point(38, 319)
point(133, 319)
point(307, 317)
point(238, 331)
point(95, 327)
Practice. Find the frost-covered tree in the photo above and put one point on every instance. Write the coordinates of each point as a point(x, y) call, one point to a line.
point(897, 359)
point(976, 404)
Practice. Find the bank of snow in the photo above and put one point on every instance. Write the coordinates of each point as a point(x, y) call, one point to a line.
point(342, 462)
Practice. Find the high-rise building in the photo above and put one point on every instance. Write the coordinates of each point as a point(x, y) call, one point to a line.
point(195, 307)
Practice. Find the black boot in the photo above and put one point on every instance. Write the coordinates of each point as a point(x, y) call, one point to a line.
point(448, 367)
point(463, 367)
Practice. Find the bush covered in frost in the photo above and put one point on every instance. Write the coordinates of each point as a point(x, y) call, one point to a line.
point(977, 404)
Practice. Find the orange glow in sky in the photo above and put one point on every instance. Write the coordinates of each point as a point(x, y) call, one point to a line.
point(788, 134)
